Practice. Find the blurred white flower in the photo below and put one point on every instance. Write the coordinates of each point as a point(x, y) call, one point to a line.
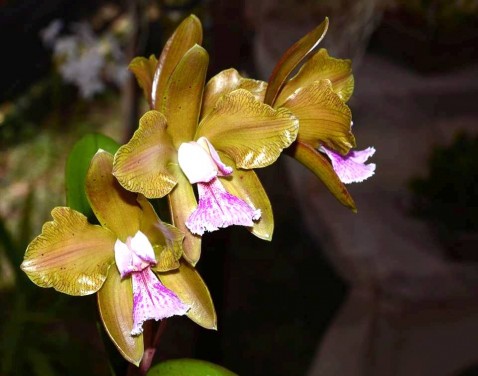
point(49, 34)
point(84, 59)
point(67, 47)
point(84, 71)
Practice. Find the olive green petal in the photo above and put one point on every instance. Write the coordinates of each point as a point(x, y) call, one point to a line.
point(246, 185)
point(115, 302)
point(183, 94)
point(186, 35)
point(226, 81)
point(143, 164)
point(165, 260)
point(166, 239)
point(322, 67)
point(323, 118)
point(144, 69)
point(191, 289)
point(182, 202)
point(291, 59)
point(321, 167)
point(252, 133)
point(114, 207)
point(70, 255)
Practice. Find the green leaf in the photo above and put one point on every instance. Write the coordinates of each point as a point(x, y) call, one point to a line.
point(77, 167)
point(186, 367)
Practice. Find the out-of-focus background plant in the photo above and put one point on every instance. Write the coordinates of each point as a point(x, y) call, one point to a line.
point(75, 87)
point(447, 197)
point(86, 60)
point(63, 76)
point(430, 35)
point(441, 15)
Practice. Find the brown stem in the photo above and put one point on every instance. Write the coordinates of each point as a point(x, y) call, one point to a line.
point(151, 344)
point(150, 347)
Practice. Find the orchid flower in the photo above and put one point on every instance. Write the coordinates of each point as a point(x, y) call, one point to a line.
point(217, 208)
point(120, 260)
point(317, 96)
point(208, 140)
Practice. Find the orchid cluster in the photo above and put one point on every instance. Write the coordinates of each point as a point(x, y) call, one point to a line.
point(197, 146)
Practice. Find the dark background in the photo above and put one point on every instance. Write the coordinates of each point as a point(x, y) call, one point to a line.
point(275, 300)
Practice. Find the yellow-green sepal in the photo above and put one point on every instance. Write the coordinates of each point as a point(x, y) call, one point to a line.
point(181, 103)
point(323, 118)
point(182, 202)
point(70, 255)
point(186, 35)
point(291, 59)
point(114, 207)
point(77, 164)
point(252, 133)
point(143, 164)
point(144, 70)
point(115, 302)
point(321, 167)
point(246, 185)
point(322, 67)
point(191, 289)
point(226, 81)
point(166, 239)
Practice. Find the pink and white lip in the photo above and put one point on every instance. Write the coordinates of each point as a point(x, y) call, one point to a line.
point(217, 208)
point(151, 300)
point(351, 168)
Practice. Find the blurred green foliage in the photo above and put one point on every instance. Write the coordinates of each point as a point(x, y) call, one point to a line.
point(77, 166)
point(43, 332)
point(448, 196)
point(21, 117)
point(443, 14)
point(182, 367)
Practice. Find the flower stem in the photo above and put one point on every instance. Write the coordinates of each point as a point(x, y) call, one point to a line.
point(151, 344)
